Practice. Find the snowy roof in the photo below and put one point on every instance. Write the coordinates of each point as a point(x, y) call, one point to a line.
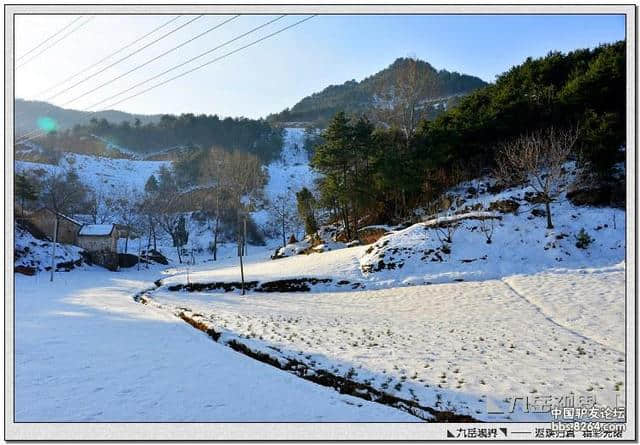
point(96, 230)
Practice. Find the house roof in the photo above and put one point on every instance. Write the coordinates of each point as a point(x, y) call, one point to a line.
point(96, 230)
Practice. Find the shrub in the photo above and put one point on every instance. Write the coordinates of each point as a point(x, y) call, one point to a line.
point(583, 240)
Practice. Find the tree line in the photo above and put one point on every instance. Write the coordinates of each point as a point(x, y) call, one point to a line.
point(381, 166)
point(187, 131)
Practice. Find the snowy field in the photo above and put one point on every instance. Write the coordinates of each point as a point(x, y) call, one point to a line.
point(451, 345)
point(85, 351)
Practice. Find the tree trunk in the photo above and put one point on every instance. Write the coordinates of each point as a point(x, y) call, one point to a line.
point(240, 253)
point(242, 274)
point(244, 237)
point(547, 205)
point(53, 253)
point(153, 231)
point(355, 222)
point(215, 230)
point(126, 242)
point(178, 250)
point(215, 239)
point(284, 241)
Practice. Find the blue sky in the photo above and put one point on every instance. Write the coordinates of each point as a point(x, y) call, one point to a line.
point(278, 72)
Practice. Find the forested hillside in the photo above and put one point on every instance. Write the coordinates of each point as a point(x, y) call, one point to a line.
point(442, 88)
point(575, 101)
point(185, 133)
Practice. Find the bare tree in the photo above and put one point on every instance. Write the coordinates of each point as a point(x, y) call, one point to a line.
point(487, 226)
point(402, 96)
point(444, 232)
point(538, 158)
point(246, 179)
point(98, 207)
point(63, 193)
point(172, 222)
point(125, 207)
point(284, 215)
point(215, 175)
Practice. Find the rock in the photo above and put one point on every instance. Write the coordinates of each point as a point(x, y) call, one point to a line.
point(155, 256)
point(496, 188)
point(127, 260)
point(600, 195)
point(369, 235)
point(538, 213)
point(534, 198)
point(504, 206)
point(25, 270)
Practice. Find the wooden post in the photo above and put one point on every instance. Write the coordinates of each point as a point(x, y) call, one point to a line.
point(139, 249)
point(240, 253)
point(53, 253)
point(244, 237)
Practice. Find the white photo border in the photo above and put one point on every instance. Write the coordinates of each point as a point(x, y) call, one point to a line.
point(299, 431)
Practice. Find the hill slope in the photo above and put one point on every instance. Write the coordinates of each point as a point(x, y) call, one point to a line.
point(357, 97)
point(29, 111)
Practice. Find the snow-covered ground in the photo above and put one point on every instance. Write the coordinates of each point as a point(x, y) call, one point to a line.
point(450, 326)
point(85, 351)
point(101, 174)
point(449, 345)
point(528, 314)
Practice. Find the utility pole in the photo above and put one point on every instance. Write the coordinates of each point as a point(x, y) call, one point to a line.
point(244, 237)
point(53, 253)
point(240, 251)
point(139, 249)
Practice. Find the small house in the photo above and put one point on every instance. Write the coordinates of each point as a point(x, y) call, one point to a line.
point(98, 238)
point(44, 220)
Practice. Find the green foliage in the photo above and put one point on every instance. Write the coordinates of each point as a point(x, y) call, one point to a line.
point(583, 240)
point(306, 204)
point(583, 87)
point(25, 189)
point(366, 172)
point(151, 186)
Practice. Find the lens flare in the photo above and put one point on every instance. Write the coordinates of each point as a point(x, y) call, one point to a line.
point(47, 124)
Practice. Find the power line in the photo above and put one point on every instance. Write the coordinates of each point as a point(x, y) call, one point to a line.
point(123, 58)
point(187, 61)
point(152, 60)
point(107, 57)
point(212, 61)
point(49, 38)
point(54, 43)
point(26, 139)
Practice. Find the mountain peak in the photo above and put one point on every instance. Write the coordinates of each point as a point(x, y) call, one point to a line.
point(355, 97)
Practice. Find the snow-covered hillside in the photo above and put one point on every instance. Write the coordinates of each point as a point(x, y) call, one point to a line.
point(417, 254)
point(32, 255)
point(289, 173)
point(101, 174)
